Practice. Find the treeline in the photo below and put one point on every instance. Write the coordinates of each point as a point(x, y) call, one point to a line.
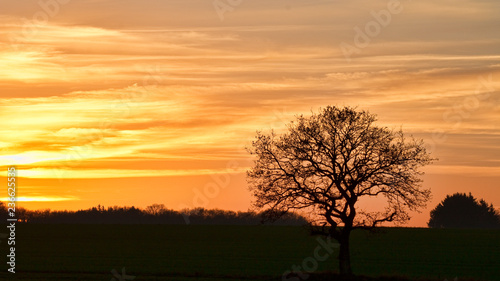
point(154, 214)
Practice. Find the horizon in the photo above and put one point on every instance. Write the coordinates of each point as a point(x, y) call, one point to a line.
point(133, 105)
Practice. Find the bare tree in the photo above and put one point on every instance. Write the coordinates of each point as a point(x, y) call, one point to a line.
point(326, 163)
point(155, 209)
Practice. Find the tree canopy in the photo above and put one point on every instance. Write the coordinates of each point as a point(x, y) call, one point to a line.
point(464, 211)
point(325, 163)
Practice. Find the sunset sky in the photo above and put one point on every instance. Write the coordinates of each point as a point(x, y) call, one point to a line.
point(137, 102)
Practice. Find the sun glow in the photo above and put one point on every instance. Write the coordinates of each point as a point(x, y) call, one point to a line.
point(40, 199)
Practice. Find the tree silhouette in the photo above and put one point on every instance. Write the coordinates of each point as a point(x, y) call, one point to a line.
point(155, 209)
point(464, 211)
point(326, 163)
point(3, 211)
point(158, 214)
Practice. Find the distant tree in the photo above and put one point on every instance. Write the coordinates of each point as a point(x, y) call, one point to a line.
point(464, 211)
point(326, 163)
point(155, 209)
point(3, 211)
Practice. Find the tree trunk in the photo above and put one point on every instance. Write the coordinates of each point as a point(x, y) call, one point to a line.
point(344, 254)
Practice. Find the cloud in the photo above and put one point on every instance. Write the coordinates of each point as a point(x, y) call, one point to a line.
point(102, 84)
point(41, 173)
point(40, 199)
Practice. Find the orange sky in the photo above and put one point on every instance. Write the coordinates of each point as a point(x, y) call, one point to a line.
point(140, 102)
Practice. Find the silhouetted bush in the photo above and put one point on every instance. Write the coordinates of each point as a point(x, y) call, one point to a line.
point(464, 211)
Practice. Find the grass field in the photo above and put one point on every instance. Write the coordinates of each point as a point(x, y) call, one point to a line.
point(180, 252)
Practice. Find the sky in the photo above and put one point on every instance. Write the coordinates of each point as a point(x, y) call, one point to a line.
point(138, 102)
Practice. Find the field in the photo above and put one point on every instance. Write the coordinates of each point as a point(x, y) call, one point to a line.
point(181, 252)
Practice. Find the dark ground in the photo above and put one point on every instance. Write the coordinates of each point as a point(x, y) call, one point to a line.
point(196, 252)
